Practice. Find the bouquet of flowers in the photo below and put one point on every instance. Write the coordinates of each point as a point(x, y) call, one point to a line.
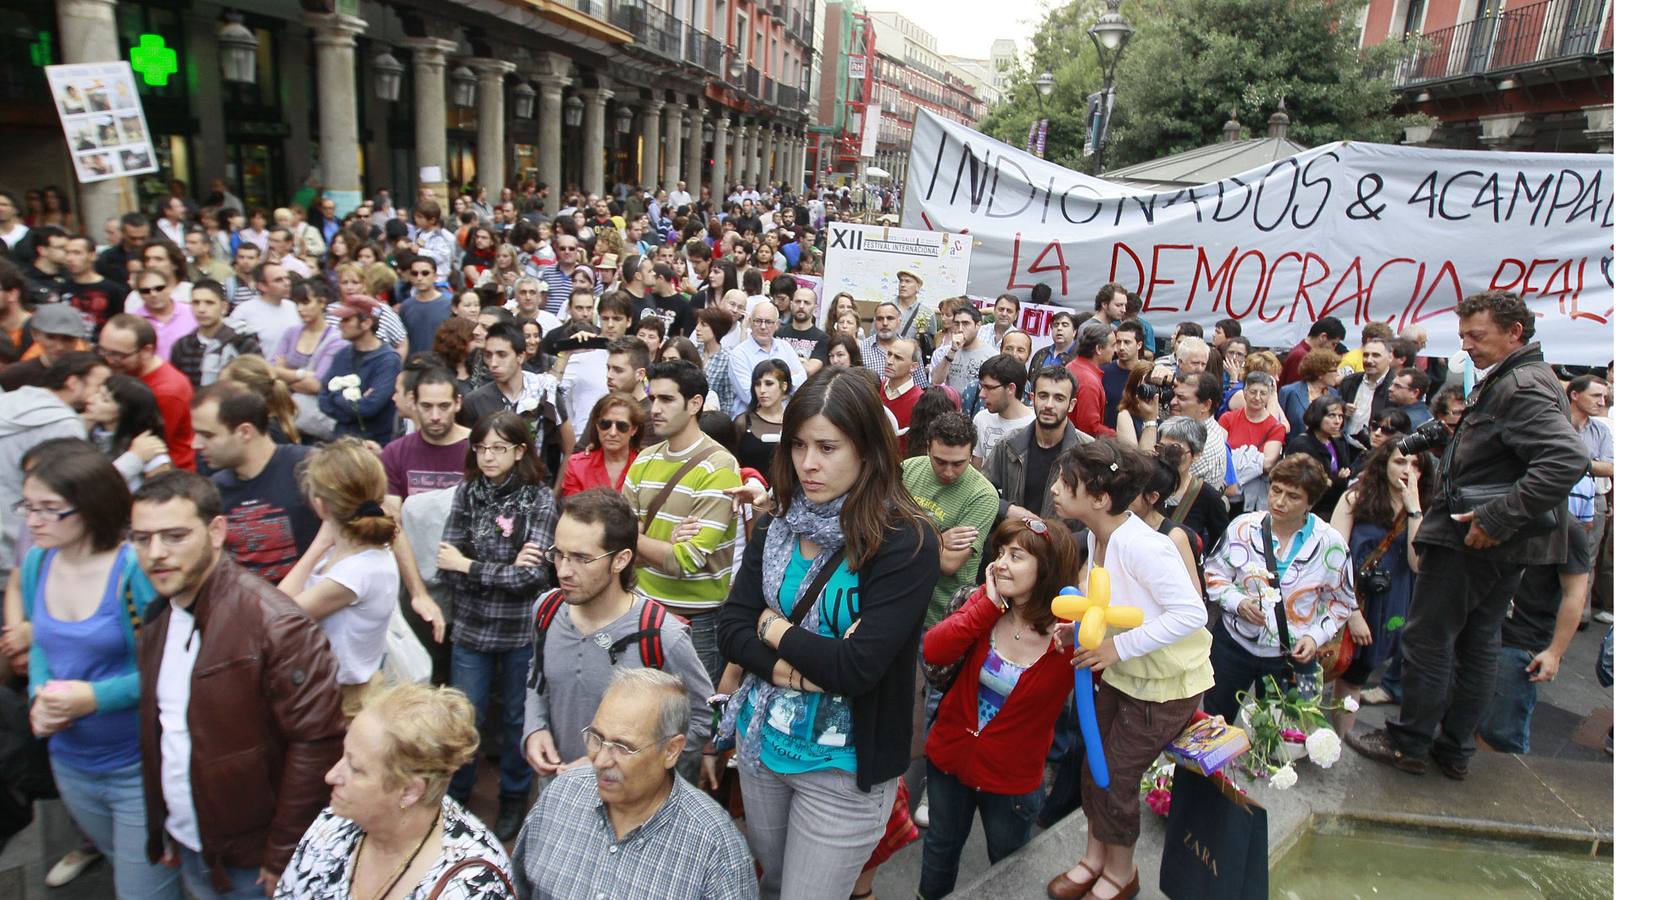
point(1156, 786)
point(349, 388)
point(1285, 727)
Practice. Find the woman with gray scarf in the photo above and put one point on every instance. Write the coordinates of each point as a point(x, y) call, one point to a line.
point(824, 617)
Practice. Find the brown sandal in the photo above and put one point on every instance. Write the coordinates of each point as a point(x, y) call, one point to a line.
point(1062, 887)
point(1127, 892)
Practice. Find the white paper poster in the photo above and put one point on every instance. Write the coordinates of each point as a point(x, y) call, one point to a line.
point(1362, 232)
point(103, 121)
point(864, 260)
point(871, 130)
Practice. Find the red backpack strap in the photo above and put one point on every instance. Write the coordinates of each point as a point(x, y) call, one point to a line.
point(651, 650)
point(547, 608)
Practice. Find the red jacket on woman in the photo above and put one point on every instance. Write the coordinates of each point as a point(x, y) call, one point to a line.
point(1009, 755)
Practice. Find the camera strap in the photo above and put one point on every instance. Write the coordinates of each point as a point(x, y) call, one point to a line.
point(1396, 529)
point(1274, 570)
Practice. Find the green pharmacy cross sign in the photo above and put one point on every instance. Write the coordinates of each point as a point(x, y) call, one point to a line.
point(153, 59)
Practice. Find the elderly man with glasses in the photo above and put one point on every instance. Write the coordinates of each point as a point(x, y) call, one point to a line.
point(560, 278)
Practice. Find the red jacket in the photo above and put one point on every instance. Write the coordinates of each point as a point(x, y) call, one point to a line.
point(1090, 400)
point(1008, 756)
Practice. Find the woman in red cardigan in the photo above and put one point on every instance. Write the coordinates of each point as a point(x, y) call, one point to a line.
point(988, 745)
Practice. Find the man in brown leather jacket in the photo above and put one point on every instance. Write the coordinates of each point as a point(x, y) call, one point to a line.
point(239, 715)
point(1514, 441)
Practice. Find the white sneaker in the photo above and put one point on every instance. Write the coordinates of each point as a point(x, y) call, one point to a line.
point(1605, 618)
point(71, 866)
point(922, 815)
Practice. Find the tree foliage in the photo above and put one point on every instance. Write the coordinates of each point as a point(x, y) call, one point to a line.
point(1190, 63)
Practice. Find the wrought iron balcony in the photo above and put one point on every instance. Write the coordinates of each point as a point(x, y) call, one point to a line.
point(1507, 41)
point(656, 31)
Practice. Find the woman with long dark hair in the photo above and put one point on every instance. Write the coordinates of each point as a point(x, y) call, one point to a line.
point(492, 560)
point(761, 426)
point(126, 425)
point(1324, 441)
point(1378, 517)
point(987, 750)
point(824, 617)
point(721, 277)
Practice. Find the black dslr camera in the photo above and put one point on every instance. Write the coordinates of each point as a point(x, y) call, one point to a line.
point(1431, 435)
point(1161, 393)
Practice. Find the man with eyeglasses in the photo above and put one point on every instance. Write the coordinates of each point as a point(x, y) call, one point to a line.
point(127, 344)
point(627, 819)
point(237, 695)
point(30, 416)
point(1000, 388)
point(599, 629)
point(427, 306)
point(525, 302)
point(761, 344)
point(559, 279)
point(270, 314)
point(1408, 393)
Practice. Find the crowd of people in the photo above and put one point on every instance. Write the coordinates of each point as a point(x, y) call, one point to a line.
point(712, 547)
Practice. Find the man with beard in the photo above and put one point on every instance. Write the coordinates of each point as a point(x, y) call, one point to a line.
point(875, 346)
point(808, 340)
point(627, 819)
point(599, 626)
point(238, 702)
point(1022, 467)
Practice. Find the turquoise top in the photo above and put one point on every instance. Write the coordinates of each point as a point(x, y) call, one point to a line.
point(810, 732)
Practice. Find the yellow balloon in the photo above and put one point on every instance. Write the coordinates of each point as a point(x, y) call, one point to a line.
point(1094, 612)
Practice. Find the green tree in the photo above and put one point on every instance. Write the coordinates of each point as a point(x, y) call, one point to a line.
point(1191, 62)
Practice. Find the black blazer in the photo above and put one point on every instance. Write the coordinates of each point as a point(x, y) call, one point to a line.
point(876, 669)
point(1317, 450)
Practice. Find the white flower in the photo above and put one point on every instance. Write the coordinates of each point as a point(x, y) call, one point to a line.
point(351, 380)
point(1323, 746)
point(1284, 778)
point(336, 382)
point(1351, 704)
point(351, 394)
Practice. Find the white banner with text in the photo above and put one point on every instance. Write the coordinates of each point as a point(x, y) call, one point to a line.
point(1359, 231)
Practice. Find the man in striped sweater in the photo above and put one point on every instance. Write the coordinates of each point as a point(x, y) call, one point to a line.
point(690, 577)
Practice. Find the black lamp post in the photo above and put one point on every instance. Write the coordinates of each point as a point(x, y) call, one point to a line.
point(1109, 36)
point(1043, 90)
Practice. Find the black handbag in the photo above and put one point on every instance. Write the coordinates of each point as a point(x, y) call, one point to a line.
point(1218, 843)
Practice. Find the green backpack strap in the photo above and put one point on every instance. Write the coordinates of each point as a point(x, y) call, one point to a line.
point(31, 575)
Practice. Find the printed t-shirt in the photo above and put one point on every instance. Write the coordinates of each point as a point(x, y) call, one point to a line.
point(271, 522)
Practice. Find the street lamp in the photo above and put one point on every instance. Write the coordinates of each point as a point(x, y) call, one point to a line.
point(574, 111)
point(463, 82)
point(1109, 36)
point(523, 100)
point(623, 119)
point(238, 50)
point(388, 74)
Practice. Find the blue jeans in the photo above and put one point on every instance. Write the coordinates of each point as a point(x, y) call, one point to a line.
point(473, 673)
point(1064, 756)
point(198, 879)
point(1506, 725)
point(704, 636)
point(1007, 821)
point(1235, 670)
point(109, 808)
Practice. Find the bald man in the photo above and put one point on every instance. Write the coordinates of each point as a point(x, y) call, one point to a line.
point(761, 344)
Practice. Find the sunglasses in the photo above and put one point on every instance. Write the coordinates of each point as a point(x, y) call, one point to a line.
point(622, 426)
point(158, 289)
point(1037, 526)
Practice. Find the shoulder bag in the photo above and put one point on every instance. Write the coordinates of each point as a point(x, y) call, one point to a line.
point(471, 863)
point(666, 491)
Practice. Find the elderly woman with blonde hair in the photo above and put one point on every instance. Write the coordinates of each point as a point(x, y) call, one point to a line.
point(390, 830)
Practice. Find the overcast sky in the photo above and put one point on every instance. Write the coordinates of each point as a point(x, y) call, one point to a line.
point(967, 27)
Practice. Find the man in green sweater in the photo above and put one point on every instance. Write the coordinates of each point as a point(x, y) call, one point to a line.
point(961, 501)
point(692, 577)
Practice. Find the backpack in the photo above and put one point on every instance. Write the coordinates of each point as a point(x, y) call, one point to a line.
point(651, 650)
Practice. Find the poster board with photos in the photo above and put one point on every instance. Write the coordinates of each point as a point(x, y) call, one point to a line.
point(103, 120)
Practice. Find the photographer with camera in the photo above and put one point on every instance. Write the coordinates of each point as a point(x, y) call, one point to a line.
point(1507, 472)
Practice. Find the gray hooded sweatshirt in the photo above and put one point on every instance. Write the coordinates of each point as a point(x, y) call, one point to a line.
point(28, 416)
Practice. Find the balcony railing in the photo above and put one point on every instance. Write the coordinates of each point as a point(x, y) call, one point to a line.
point(652, 29)
point(790, 98)
point(703, 51)
point(1539, 33)
point(751, 82)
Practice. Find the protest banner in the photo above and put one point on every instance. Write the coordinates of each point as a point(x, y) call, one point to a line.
point(103, 121)
point(1358, 231)
point(863, 260)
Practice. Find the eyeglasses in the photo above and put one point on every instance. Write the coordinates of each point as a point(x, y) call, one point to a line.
point(23, 509)
point(596, 742)
point(762, 321)
point(172, 537)
point(107, 353)
point(985, 387)
point(1037, 526)
point(578, 559)
point(494, 449)
point(622, 425)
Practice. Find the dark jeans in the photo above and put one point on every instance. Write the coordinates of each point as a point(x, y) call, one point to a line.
point(1235, 670)
point(1065, 757)
point(1006, 827)
point(1450, 644)
point(1506, 726)
point(473, 673)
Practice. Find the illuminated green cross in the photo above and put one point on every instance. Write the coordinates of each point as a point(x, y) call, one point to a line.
point(153, 59)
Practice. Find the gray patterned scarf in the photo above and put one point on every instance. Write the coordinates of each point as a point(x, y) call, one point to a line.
point(816, 522)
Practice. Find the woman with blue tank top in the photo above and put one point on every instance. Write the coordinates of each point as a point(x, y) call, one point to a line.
point(824, 617)
point(83, 593)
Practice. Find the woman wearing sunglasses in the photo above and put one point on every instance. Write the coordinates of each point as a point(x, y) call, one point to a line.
point(614, 434)
point(1010, 680)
